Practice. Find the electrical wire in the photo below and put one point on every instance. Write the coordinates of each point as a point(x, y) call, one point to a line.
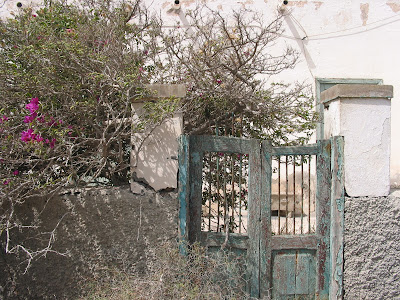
point(336, 34)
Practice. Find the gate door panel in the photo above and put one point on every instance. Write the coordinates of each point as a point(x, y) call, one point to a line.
point(212, 154)
point(296, 244)
point(226, 200)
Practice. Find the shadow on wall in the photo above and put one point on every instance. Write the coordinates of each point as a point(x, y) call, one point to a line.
point(102, 230)
point(156, 164)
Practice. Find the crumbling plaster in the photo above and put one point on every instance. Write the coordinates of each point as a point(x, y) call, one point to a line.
point(361, 113)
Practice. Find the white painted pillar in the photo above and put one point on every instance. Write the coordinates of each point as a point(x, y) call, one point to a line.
point(361, 113)
point(154, 155)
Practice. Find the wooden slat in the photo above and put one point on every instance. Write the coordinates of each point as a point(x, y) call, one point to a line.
point(337, 218)
point(296, 150)
point(265, 225)
point(195, 199)
point(216, 239)
point(223, 144)
point(294, 242)
point(254, 228)
point(323, 214)
point(183, 186)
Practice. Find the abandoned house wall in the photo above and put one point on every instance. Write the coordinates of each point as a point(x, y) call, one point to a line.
point(372, 248)
point(102, 230)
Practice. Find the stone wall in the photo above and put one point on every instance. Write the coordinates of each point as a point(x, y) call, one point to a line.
point(372, 248)
point(102, 230)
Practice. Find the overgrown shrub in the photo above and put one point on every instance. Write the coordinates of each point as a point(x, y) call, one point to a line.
point(196, 275)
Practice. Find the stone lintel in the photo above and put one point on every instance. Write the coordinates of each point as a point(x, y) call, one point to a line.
point(359, 91)
point(163, 91)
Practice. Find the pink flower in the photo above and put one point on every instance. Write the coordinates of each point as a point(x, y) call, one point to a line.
point(52, 122)
point(38, 138)
point(30, 118)
point(16, 172)
point(3, 119)
point(33, 105)
point(41, 119)
point(27, 136)
point(7, 181)
point(69, 30)
point(219, 81)
point(52, 143)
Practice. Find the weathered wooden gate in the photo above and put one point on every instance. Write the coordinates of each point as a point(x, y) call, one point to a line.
point(281, 265)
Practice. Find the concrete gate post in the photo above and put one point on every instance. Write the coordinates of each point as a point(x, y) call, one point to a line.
point(154, 155)
point(361, 114)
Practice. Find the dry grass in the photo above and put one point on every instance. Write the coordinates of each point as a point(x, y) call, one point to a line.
point(197, 275)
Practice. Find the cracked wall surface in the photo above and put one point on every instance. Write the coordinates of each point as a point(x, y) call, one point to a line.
point(372, 248)
point(103, 230)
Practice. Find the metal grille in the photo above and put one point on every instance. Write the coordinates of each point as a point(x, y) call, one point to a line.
point(292, 194)
point(225, 192)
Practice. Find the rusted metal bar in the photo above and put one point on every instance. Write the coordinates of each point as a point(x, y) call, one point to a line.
point(225, 200)
point(279, 194)
point(309, 194)
point(233, 189)
point(294, 194)
point(240, 192)
point(287, 192)
point(217, 194)
point(302, 193)
point(210, 192)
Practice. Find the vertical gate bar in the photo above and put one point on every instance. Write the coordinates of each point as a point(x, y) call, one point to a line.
point(287, 195)
point(233, 178)
point(240, 194)
point(225, 181)
point(233, 191)
point(279, 194)
point(225, 200)
point(294, 194)
point(302, 192)
point(218, 194)
point(309, 194)
point(323, 215)
point(226, 124)
point(233, 125)
point(210, 192)
point(240, 176)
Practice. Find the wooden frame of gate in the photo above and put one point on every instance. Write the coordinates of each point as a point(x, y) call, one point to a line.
point(273, 262)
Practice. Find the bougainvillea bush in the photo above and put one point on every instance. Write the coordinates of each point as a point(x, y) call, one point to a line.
point(68, 75)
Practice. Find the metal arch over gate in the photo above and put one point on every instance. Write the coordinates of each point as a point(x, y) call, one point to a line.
point(282, 266)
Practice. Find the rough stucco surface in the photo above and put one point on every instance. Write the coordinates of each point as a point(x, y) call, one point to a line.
point(372, 248)
point(103, 230)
